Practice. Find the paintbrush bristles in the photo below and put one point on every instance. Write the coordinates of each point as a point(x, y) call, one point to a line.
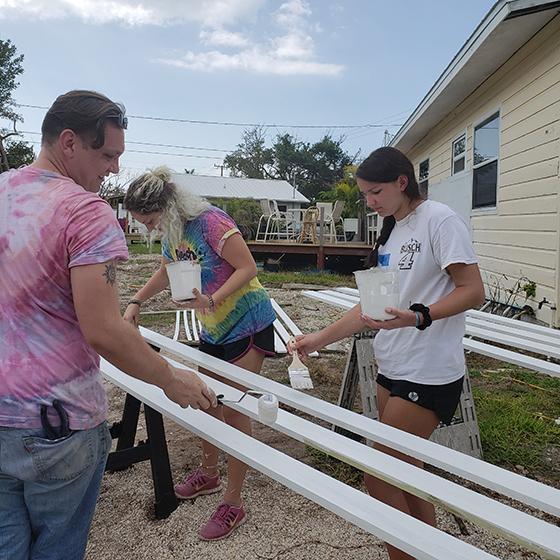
point(299, 373)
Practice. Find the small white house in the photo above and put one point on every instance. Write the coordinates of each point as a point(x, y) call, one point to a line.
point(286, 195)
point(485, 140)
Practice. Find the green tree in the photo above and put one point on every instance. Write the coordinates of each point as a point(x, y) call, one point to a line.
point(326, 162)
point(251, 159)
point(19, 153)
point(314, 167)
point(10, 68)
point(347, 190)
point(245, 212)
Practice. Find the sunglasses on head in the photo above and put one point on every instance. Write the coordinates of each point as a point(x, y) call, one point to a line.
point(122, 119)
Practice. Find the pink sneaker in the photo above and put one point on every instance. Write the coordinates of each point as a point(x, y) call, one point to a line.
point(196, 484)
point(223, 521)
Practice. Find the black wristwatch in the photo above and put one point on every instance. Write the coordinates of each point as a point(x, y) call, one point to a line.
point(425, 313)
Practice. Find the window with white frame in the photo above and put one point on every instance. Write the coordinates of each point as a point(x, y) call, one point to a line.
point(486, 146)
point(423, 175)
point(458, 152)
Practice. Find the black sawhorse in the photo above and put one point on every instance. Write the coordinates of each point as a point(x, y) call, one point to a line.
point(153, 449)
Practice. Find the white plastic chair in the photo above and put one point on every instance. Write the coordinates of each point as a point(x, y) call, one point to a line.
point(332, 215)
point(276, 224)
point(336, 217)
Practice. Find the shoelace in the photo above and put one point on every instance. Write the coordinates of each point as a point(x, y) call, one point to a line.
point(224, 515)
point(198, 478)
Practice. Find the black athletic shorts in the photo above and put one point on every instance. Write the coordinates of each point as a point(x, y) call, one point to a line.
point(442, 399)
point(231, 352)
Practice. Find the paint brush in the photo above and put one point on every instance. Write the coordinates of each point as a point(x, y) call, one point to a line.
point(298, 371)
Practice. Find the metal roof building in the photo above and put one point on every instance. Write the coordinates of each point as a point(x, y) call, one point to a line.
point(238, 187)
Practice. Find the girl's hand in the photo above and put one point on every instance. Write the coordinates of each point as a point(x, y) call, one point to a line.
point(132, 314)
point(403, 318)
point(305, 344)
point(200, 301)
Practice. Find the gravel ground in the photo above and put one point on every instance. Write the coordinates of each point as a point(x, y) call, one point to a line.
point(281, 523)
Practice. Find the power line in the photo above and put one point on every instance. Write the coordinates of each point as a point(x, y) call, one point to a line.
point(156, 144)
point(263, 125)
point(162, 153)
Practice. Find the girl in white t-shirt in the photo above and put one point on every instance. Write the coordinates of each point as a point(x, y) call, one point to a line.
point(419, 353)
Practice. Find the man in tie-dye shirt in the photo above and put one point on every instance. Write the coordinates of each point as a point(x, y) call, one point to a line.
point(59, 244)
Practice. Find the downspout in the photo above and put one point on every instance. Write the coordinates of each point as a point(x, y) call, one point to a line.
point(554, 309)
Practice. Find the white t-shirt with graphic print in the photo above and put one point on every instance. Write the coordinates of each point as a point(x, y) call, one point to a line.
point(420, 247)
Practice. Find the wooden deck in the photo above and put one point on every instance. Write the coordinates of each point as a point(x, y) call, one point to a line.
point(319, 250)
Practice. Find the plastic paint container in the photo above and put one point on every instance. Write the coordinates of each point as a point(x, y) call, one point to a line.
point(268, 408)
point(183, 276)
point(378, 289)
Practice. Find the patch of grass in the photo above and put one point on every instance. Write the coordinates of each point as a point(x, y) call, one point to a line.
point(276, 279)
point(335, 468)
point(515, 409)
point(143, 249)
point(155, 319)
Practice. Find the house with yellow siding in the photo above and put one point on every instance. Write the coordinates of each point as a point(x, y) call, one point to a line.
point(485, 141)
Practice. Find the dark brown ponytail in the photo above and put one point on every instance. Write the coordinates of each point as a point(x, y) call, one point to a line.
point(386, 229)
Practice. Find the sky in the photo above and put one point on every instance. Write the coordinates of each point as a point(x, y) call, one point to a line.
point(349, 68)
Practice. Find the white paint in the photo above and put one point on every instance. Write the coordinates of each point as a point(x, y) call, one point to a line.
point(392, 526)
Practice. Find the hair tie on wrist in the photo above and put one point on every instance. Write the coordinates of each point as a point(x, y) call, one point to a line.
point(137, 302)
point(425, 312)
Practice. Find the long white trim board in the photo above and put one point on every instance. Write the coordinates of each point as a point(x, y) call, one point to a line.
point(392, 526)
point(500, 480)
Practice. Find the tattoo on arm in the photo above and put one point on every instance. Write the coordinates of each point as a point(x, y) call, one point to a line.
point(110, 273)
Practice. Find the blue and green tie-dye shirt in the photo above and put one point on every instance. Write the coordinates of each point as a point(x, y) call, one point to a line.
point(245, 312)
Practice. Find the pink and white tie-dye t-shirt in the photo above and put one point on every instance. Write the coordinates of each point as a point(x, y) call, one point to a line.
point(49, 224)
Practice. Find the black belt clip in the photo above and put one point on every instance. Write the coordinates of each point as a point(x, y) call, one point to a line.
point(55, 432)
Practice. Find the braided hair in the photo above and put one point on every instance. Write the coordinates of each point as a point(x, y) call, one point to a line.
point(386, 165)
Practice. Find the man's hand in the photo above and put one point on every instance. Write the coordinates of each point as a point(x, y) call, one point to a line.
point(187, 389)
point(132, 314)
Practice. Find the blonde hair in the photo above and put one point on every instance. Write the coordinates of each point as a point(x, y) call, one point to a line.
point(154, 191)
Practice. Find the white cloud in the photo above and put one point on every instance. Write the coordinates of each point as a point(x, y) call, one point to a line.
point(210, 13)
point(291, 51)
point(294, 45)
point(223, 38)
point(292, 14)
point(252, 60)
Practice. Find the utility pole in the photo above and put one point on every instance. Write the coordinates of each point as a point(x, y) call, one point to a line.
point(221, 168)
point(387, 137)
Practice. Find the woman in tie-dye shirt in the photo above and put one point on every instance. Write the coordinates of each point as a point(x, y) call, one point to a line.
point(233, 308)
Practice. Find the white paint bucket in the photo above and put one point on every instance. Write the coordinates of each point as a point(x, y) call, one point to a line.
point(268, 408)
point(378, 289)
point(183, 276)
